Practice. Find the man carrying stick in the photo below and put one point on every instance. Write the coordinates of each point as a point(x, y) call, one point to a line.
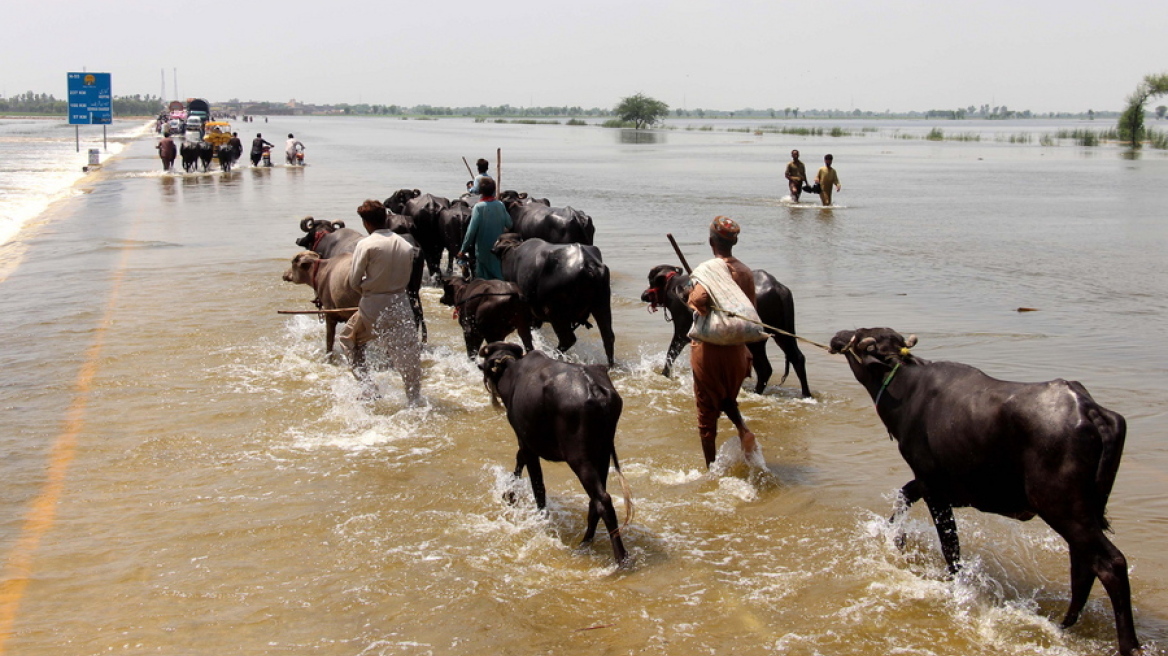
point(382, 264)
point(718, 370)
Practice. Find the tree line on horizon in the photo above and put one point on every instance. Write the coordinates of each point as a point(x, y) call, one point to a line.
point(149, 105)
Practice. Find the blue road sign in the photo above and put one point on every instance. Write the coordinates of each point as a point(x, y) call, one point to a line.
point(90, 99)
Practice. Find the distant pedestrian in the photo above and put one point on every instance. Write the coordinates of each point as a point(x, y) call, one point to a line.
point(827, 178)
point(167, 151)
point(488, 220)
point(796, 175)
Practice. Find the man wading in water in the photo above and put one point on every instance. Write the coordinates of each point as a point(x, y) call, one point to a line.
point(718, 370)
point(382, 263)
point(796, 175)
point(825, 179)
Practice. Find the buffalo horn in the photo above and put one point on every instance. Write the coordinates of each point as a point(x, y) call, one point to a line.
point(337, 225)
point(867, 344)
point(911, 341)
point(307, 223)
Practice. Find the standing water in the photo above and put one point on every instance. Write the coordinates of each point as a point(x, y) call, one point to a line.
point(185, 473)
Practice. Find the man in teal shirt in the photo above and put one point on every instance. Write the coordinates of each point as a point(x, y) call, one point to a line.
point(488, 220)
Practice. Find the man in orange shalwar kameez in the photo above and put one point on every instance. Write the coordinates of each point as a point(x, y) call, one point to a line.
point(718, 370)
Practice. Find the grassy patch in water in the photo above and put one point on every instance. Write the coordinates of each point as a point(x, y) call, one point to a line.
point(576, 121)
point(617, 123)
point(936, 134)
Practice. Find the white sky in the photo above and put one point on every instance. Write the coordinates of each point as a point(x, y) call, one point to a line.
point(1042, 55)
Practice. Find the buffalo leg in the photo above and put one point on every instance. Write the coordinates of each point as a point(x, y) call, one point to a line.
point(600, 505)
point(947, 531)
point(908, 495)
point(603, 316)
point(473, 341)
point(1098, 554)
point(523, 327)
point(535, 473)
point(796, 359)
point(330, 333)
point(675, 345)
point(520, 463)
point(564, 333)
point(416, 308)
point(762, 366)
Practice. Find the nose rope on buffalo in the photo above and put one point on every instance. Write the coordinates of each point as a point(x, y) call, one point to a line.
point(728, 313)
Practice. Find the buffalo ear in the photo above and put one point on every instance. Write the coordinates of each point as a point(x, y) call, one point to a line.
point(911, 341)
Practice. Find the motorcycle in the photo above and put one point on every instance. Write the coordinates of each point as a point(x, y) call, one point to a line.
point(267, 156)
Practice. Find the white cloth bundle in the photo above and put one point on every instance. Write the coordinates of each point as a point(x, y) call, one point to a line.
point(718, 327)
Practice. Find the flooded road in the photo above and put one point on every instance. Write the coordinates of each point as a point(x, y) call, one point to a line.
point(184, 473)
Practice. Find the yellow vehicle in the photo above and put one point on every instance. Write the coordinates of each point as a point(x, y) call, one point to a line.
point(217, 133)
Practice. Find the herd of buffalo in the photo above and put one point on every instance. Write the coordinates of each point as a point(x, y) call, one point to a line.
point(1015, 449)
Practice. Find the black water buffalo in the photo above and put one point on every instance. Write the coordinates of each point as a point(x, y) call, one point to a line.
point(452, 223)
point(329, 238)
point(227, 155)
point(423, 211)
point(534, 219)
point(206, 154)
point(329, 278)
point(563, 284)
point(561, 412)
point(190, 156)
point(487, 310)
point(332, 238)
point(1013, 449)
point(668, 287)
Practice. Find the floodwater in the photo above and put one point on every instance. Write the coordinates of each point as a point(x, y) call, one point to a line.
point(183, 473)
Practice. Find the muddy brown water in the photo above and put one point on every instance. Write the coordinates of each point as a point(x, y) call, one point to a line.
point(183, 473)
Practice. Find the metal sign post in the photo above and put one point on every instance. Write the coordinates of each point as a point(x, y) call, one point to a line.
point(90, 102)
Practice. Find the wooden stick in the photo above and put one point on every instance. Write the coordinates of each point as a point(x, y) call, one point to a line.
point(498, 171)
point(677, 249)
point(472, 175)
point(333, 310)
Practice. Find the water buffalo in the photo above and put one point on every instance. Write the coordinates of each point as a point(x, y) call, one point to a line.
point(452, 223)
point(487, 310)
point(329, 278)
point(668, 288)
point(563, 285)
point(423, 211)
point(561, 412)
point(190, 156)
point(534, 219)
point(1013, 449)
point(332, 238)
point(227, 155)
point(206, 154)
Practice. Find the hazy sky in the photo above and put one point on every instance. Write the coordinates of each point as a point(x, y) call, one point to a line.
point(1042, 55)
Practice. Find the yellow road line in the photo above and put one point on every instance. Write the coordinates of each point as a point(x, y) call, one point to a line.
point(19, 564)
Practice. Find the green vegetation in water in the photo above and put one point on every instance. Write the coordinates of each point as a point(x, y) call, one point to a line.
point(1157, 138)
point(1046, 139)
point(795, 130)
point(617, 123)
point(641, 110)
point(936, 134)
point(576, 121)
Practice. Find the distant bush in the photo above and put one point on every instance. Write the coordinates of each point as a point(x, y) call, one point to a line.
point(936, 134)
point(617, 123)
point(576, 121)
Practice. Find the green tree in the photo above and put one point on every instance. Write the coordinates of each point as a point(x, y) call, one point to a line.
point(1131, 122)
point(641, 110)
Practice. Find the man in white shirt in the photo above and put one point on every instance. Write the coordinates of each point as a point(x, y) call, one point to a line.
point(382, 263)
point(292, 148)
